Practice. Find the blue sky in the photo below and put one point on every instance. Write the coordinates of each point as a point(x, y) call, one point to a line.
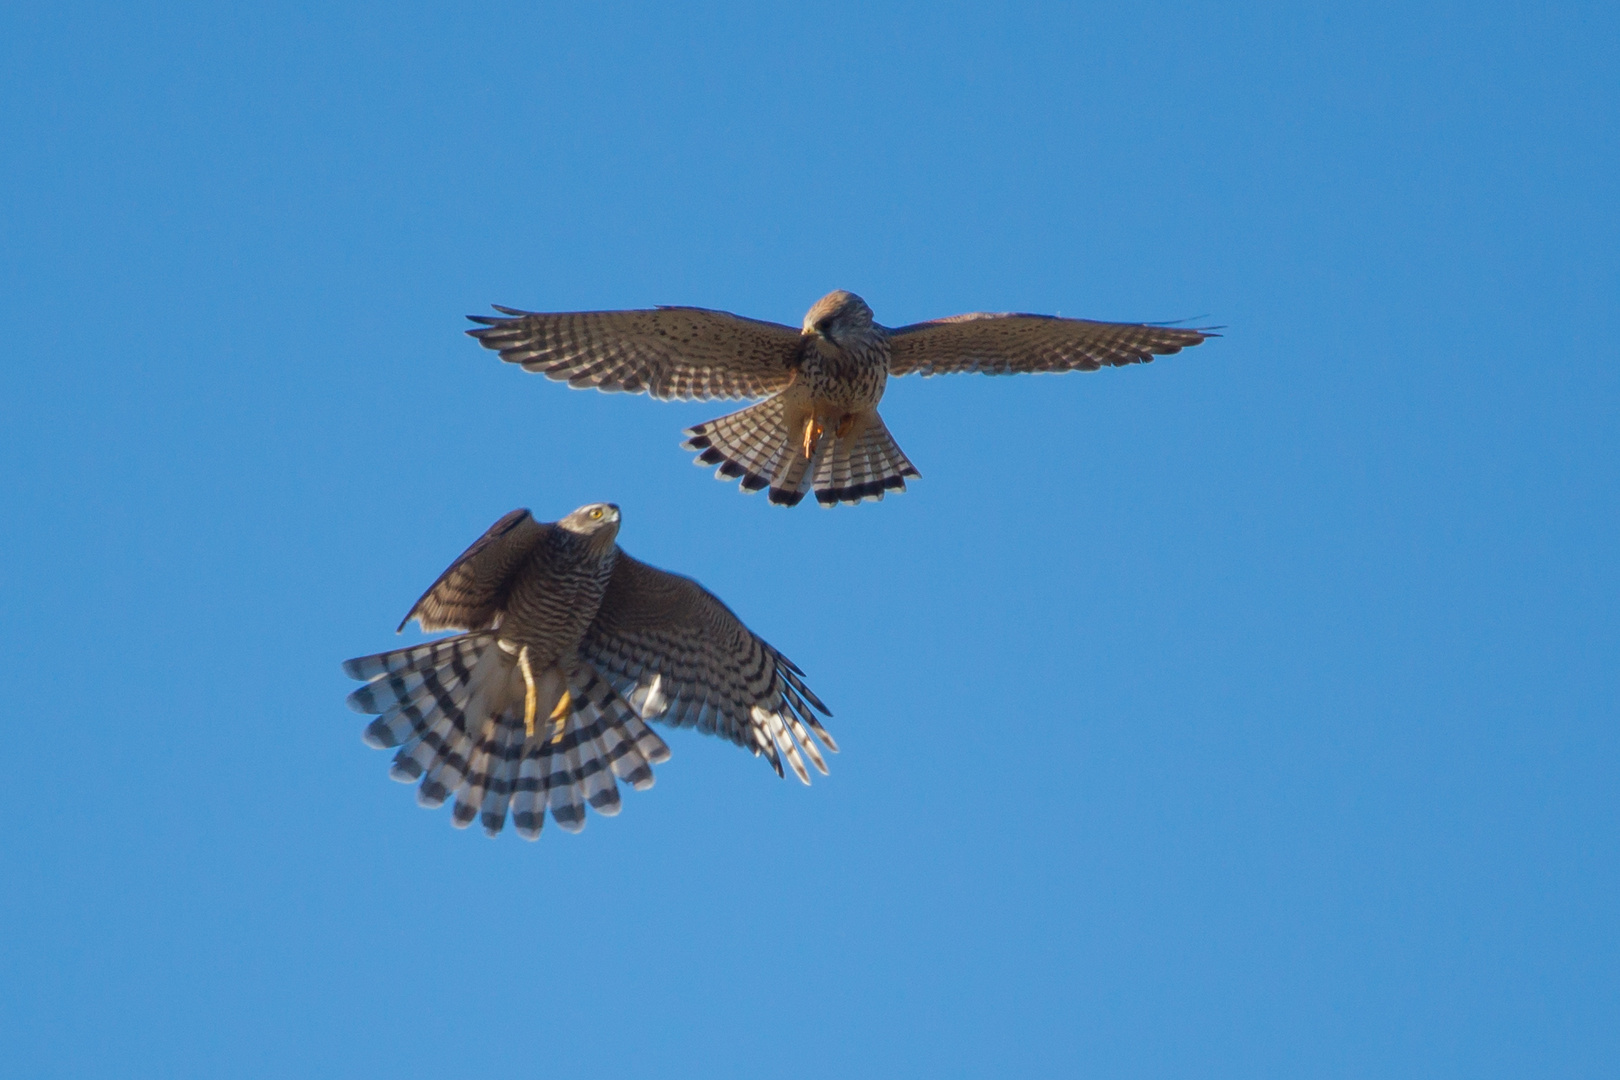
point(1250, 713)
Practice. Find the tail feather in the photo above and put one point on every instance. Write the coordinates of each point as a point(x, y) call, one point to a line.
point(628, 745)
point(410, 675)
point(488, 788)
point(416, 658)
point(529, 800)
point(502, 777)
point(600, 787)
point(755, 445)
point(471, 793)
point(862, 466)
point(636, 752)
point(563, 795)
point(762, 446)
point(412, 719)
point(455, 710)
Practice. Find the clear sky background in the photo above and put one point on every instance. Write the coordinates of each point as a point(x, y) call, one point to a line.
point(1252, 713)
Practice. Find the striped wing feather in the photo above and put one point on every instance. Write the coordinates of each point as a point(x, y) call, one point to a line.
point(668, 352)
point(472, 592)
point(714, 673)
point(1006, 344)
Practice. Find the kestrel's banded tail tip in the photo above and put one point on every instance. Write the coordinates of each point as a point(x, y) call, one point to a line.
point(768, 451)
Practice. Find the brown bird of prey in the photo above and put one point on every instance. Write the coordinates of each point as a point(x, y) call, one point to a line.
point(818, 425)
point(568, 645)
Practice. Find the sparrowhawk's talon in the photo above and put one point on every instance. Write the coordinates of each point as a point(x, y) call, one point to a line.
point(559, 715)
point(531, 699)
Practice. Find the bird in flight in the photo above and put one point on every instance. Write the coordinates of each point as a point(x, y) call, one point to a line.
point(818, 427)
point(568, 645)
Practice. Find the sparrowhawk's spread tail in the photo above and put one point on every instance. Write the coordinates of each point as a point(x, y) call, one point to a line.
point(455, 709)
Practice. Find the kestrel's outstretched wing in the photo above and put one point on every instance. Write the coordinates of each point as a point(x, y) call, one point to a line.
point(472, 592)
point(665, 640)
point(668, 352)
point(1008, 344)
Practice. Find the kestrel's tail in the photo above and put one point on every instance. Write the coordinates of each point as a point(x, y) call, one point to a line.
point(458, 710)
point(766, 445)
point(863, 463)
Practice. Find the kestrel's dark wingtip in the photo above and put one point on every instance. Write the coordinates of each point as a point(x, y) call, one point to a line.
point(493, 320)
point(1177, 324)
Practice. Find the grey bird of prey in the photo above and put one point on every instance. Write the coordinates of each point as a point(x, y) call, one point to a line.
point(568, 645)
point(818, 426)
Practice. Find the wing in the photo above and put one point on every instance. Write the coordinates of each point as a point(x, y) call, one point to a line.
point(1008, 344)
point(472, 592)
point(664, 640)
point(668, 352)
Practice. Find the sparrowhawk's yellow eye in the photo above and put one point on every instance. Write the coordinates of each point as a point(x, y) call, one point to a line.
point(596, 514)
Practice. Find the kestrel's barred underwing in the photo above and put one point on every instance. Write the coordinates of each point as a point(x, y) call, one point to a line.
point(818, 426)
point(568, 646)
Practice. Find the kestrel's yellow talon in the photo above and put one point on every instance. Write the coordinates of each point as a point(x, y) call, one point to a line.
point(559, 715)
point(812, 435)
point(531, 699)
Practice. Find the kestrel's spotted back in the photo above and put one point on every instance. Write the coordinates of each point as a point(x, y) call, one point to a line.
point(818, 426)
point(569, 645)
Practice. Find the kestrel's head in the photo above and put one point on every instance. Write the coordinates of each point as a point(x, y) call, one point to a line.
point(599, 522)
point(841, 317)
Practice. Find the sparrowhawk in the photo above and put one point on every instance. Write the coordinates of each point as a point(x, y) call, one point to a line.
point(568, 646)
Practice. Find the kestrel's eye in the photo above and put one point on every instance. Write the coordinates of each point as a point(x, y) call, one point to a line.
point(596, 513)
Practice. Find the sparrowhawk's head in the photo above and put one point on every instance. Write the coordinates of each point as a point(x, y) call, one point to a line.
point(841, 317)
point(598, 521)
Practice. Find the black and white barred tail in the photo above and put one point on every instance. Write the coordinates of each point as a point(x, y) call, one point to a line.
point(455, 710)
point(763, 446)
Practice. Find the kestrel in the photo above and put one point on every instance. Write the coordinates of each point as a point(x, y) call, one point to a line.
point(818, 425)
point(568, 646)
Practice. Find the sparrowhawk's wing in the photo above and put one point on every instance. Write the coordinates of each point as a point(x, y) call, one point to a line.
point(1005, 344)
point(711, 671)
point(472, 592)
point(668, 352)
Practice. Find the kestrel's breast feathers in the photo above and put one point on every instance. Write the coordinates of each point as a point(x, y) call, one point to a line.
point(668, 352)
point(471, 594)
point(1005, 344)
point(714, 673)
